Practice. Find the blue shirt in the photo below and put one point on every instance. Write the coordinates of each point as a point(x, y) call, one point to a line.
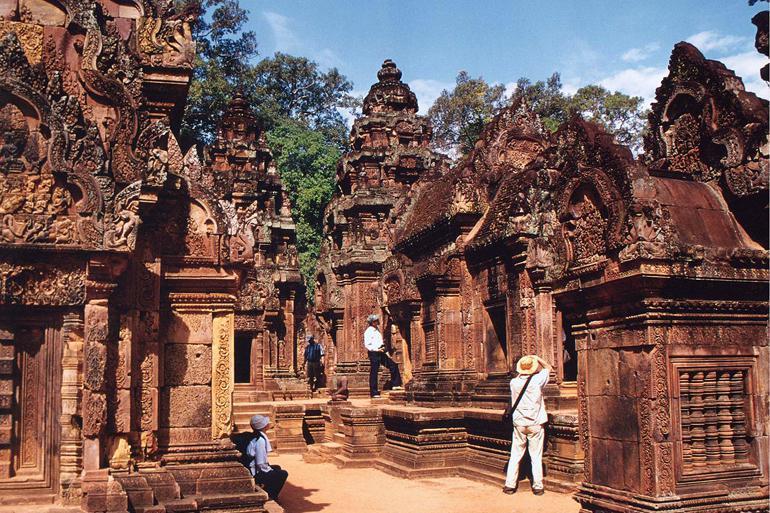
point(313, 352)
point(257, 451)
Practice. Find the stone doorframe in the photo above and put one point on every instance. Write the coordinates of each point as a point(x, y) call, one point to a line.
point(31, 391)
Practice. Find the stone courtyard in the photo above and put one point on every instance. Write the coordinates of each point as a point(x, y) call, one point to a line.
point(151, 299)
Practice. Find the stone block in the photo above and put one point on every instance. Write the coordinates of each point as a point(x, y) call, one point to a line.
point(633, 368)
point(189, 328)
point(613, 418)
point(186, 407)
point(602, 372)
point(187, 364)
point(632, 470)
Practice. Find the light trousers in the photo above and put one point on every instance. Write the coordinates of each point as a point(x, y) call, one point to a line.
point(523, 435)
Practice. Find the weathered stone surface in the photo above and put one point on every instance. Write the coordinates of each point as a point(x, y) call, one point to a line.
point(186, 406)
point(187, 364)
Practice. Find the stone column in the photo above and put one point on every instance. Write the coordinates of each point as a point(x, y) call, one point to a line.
point(94, 407)
point(71, 452)
point(7, 361)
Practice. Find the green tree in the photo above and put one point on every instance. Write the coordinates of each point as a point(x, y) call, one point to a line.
point(307, 162)
point(622, 115)
point(289, 87)
point(297, 103)
point(459, 116)
point(223, 53)
point(546, 98)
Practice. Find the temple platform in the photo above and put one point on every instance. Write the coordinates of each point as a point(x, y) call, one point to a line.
point(414, 442)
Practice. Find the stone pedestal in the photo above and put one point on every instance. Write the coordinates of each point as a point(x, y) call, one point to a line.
point(563, 456)
point(288, 422)
point(424, 443)
point(431, 387)
point(102, 493)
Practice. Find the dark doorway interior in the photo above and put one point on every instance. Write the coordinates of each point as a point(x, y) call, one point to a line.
point(570, 353)
point(243, 357)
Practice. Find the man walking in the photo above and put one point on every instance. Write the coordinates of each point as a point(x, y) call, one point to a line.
point(313, 362)
point(377, 356)
point(528, 417)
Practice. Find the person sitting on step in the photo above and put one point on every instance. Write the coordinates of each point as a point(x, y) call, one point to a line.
point(270, 477)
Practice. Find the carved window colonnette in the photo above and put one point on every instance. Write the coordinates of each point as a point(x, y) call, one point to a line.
point(715, 414)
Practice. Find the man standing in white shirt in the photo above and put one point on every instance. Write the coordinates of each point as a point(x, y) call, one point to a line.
point(528, 419)
point(377, 356)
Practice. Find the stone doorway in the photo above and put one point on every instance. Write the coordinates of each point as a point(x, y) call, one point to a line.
point(243, 363)
point(30, 380)
point(496, 338)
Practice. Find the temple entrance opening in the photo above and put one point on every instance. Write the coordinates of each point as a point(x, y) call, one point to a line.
point(243, 364)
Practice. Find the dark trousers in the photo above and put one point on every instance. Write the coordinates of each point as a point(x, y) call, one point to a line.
point(313, 375)
point(377, 358)
point(273, 481)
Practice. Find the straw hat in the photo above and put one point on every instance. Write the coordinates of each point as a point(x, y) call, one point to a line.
point(527, 365)
point(259, 421)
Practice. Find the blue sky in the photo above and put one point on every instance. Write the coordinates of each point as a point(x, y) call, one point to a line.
point(621, 44)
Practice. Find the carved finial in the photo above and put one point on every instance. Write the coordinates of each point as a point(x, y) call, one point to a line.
point(389, 72)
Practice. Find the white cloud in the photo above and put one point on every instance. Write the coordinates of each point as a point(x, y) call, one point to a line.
point(636, 81)
point(285, 39)
point(328, 59)
point(427, 90)
point(640, 54)
point(709, 40)
point(746, 65)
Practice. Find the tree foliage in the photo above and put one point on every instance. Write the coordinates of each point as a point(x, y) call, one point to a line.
point(223, 53)
point(546, 98)
point(459, 116)
point(295, 101)
point(622, 115)
point(308, 166)
point(288, 87)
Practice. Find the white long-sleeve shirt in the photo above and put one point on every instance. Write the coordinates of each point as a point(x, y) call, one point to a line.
point(258, 449)
point(373, 339)
point(531, 409)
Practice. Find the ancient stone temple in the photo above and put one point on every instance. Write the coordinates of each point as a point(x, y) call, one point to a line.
point(132, 275)
point(643, 281)
point(389, 152)
point(239, 171)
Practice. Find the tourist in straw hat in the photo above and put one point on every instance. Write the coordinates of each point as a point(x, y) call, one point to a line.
point(378, 356)
point(528, 416)
point(270, 477)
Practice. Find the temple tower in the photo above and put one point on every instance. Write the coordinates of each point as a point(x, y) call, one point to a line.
point(389, 152)
point(241, 173)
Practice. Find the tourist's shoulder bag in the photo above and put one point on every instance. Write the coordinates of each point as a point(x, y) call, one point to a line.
point(508, 414)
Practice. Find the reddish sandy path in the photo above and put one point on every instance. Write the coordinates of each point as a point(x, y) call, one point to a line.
point(314, 487)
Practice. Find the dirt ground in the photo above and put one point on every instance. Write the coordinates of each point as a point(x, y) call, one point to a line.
point(314, 487)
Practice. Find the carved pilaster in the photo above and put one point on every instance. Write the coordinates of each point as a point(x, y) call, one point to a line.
point(7, 358)
point(71, 449)
point(223, 377)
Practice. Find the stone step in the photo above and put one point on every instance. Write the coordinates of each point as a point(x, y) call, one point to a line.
point(273, 507)
point(322, 453)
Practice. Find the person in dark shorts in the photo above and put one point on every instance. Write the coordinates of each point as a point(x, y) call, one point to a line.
point(313, 362)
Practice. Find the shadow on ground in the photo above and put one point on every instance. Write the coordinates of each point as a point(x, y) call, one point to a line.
point(294, 499)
